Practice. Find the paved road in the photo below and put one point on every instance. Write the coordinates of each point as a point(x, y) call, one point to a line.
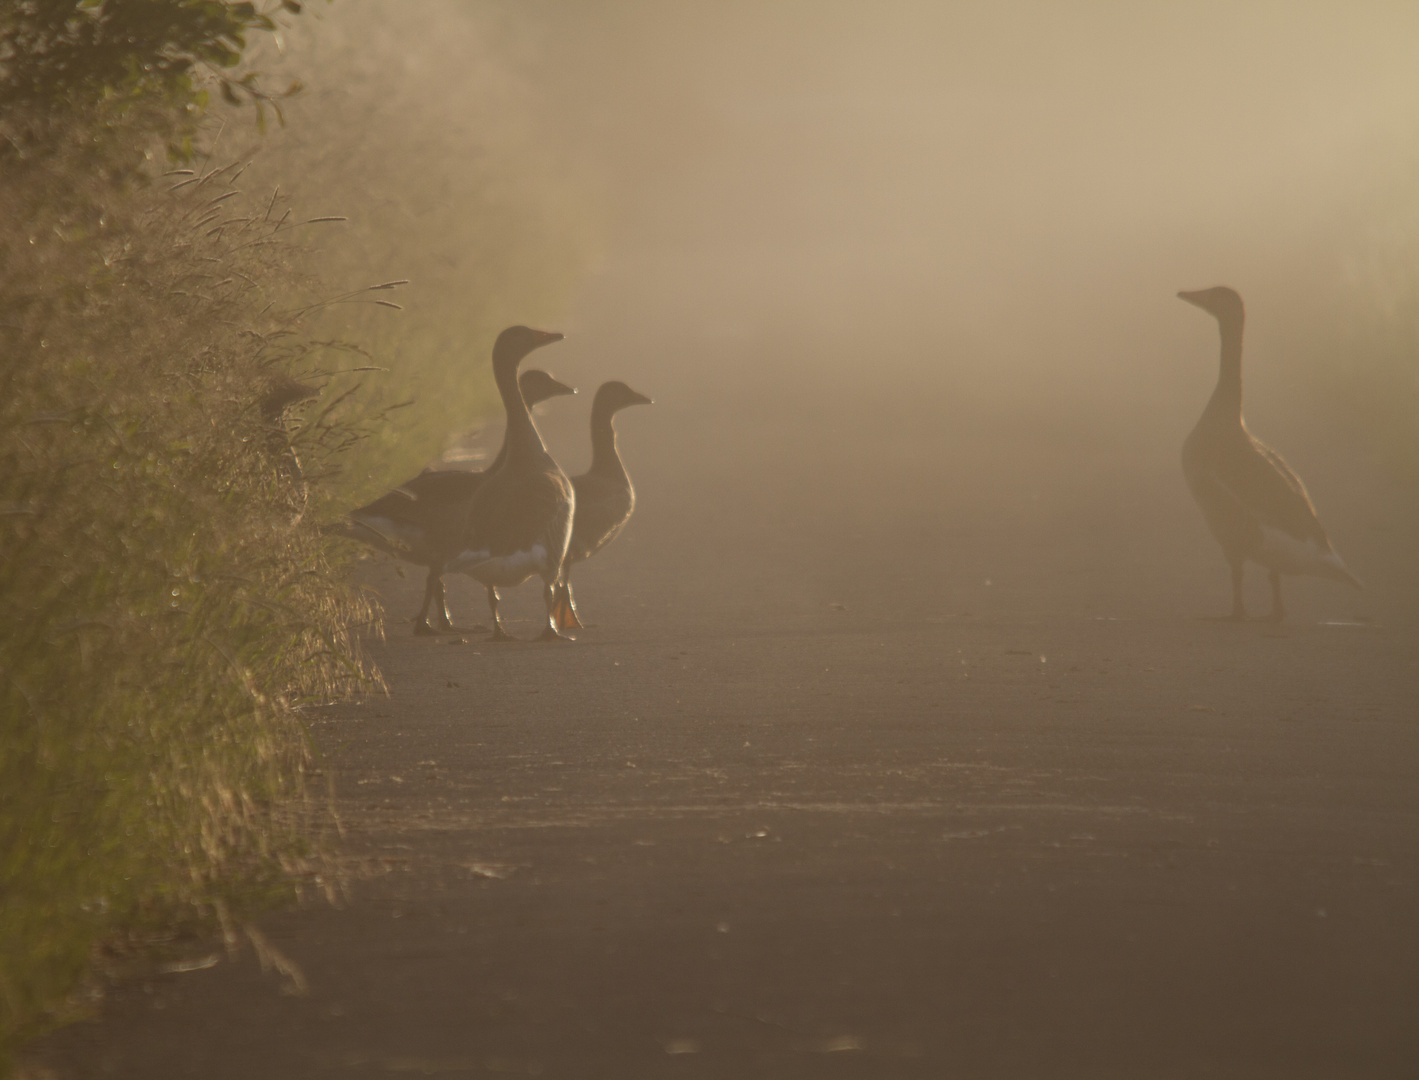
point(896, 762)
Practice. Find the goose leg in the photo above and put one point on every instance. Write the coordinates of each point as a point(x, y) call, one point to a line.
point(1278, 611)
point(442, 621)
point(551, 594)
point(445, 620)
point(432, 585)
point(1238, 603)
point(1239, 608)
point(564, 609)
point(499, 634)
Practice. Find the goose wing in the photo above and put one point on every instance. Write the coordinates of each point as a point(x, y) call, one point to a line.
point(423, 516)
point(440, 485)
point(510, 514)
point(1265, 486)
point(424, 498)
point(603, 506)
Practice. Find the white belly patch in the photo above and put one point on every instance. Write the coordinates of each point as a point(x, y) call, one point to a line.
point(511, 569)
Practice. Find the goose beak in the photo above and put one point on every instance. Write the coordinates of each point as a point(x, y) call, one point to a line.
point(545, 337)
point(1193, 298)
point(640, 399)
point(560, 389)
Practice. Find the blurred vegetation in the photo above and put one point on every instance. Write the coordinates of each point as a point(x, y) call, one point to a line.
point(169, 431)
point(180, 407)
point(427, 133)
point(153, 61)
point(1373, 367)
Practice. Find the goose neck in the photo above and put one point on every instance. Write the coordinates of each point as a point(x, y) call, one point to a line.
point(521, 437)
point(604, 455)
point(1227, 397)
point(499, 458)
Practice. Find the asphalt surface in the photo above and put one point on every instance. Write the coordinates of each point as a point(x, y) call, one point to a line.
point(879, 758)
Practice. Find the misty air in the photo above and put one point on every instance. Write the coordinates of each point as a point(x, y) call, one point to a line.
point(710, 540)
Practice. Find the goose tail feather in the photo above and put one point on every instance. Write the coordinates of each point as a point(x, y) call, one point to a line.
point(1333, 567)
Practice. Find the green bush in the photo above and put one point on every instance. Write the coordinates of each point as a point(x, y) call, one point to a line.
point(170, 605)
point(158, 60)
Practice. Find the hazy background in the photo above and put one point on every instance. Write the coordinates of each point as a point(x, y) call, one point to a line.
point(905, 243)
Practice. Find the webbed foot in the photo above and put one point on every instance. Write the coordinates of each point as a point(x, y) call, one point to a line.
point(562, 608)
point(564, 614)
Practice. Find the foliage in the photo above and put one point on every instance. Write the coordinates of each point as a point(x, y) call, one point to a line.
point(170, 606)
point(149, 57)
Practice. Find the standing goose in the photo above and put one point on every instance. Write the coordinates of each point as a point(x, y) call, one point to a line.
point(422, 521)
point(520, 518)
point(1256, 507)
point(604, 496)
point(278, 394)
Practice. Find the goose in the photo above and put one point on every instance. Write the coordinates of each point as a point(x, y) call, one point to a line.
point(1256, 507)
point(519, 520)
point(422, 521)
point(278, 393)
point(604, 496)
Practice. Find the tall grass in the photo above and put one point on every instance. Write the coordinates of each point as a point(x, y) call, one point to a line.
point(169, 604)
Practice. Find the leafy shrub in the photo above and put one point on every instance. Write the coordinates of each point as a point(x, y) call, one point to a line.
point(154, 59)
point(170, 606)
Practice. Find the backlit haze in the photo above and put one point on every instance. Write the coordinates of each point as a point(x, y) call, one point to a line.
point(867, 256)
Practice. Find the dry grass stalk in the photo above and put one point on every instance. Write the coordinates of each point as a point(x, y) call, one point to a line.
point(170, 605)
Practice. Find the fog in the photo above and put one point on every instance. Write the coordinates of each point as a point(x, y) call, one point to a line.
point(1011, 194)
point(909, 728)
point(847, 236)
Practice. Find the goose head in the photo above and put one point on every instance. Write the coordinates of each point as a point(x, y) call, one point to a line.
point(516, 342)
point(614, 396)
point(280, 392)
point(537, 386)
point(1222, 303)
